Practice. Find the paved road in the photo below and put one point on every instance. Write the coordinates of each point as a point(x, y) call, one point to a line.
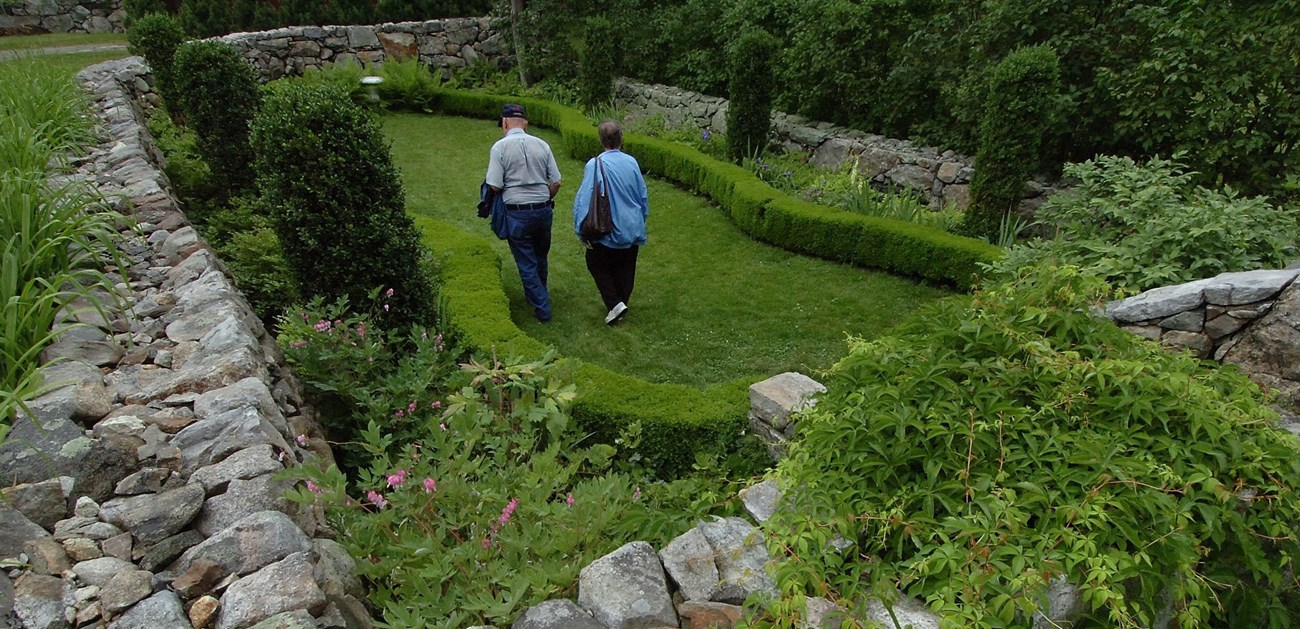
point(60, 50)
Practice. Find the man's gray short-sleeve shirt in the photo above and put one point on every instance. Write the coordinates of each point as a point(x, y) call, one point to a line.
point(524, 167)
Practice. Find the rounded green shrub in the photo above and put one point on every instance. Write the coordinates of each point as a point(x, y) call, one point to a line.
point(749, 115)
point(599, 64)
point(1019, 111)
point(156, 36)
point(218, 93)
point(337, 202)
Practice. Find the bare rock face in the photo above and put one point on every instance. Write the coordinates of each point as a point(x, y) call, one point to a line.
point(742, 559)
point(627, 589)
point(41, 601)
point(15, 531)
point(689, 561)
point(155, 517)
point(557, 614)
point(1269, 350)
point(160, 611)
point(284, 586)
point(250, 544)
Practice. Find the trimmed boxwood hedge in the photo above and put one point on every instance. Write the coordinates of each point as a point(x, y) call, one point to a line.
point(677, 421)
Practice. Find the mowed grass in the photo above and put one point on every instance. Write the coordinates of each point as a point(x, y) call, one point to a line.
point(58, 40)
point(710, 304)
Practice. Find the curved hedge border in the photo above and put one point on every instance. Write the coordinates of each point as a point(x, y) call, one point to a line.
point(677, 420)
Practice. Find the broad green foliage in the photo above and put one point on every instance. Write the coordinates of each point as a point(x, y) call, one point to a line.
point(337, 203)
point(1020, 110)
point(988, 449)
point(749, 87)
point(599, 64)
point(218, 93)
point(156, 36)
point(479, 498)
point(1140, 226)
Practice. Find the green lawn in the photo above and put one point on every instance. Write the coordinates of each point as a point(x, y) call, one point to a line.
point(55, 40)
point(710, 304)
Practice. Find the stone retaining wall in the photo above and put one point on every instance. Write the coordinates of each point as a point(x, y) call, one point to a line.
point(29, 17)
point(1250, 319)
point(448, 44)
point(940, 177)
point(148, 494)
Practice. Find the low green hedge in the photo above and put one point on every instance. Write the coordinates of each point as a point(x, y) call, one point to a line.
point(677, 421)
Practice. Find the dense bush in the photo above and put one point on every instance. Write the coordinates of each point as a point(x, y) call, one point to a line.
point(480, 497)
point(156, 36)
point(1140, 226)
point(209, 18)
point(749, 88)
point(1019, 111)
point(337, 201)
point(218, 93)
point(599, 65)
point(136, 9)
point(990, 448)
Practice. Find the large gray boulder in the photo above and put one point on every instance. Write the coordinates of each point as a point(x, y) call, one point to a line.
point(242, 499)
point(250, 544)
point(741, 554)
point(689, 561)
point(245, 464)
point(41, 602)
point(15, 531)
point(155, 517)
point(557, 614)
point(1158, 302)
point(1269, 350)
point(627, 589)
point(160, 611)
point(215, 438)
point(284, 586)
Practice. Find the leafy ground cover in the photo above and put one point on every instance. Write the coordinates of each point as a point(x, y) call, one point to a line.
point(711, 304)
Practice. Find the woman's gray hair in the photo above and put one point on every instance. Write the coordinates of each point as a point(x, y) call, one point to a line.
point(611, 134)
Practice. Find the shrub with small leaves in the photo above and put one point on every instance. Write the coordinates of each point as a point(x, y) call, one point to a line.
point(1021, 109)
point(749, 115)
point(599, 64)
point(328, 179)
point(218, 93)
point(992, 447)
point(156, 36)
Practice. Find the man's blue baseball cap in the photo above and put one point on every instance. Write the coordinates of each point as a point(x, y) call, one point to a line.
point(514, 111)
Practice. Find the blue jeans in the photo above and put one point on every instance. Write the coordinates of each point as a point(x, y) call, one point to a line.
point(529, 235)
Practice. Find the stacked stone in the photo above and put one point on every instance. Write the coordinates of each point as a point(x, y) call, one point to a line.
point(62, 16)
point(446, 44)
point(145, 489)
point(941, 178)
point(1249, 319)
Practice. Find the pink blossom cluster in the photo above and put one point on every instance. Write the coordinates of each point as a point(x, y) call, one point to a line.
point(504, 519)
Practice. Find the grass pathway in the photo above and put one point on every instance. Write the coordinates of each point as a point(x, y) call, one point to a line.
point(710, 305)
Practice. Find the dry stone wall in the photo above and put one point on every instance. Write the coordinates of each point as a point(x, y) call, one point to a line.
point(62, 16)
point(940, 177)
point(143, 490)
point(447, 44)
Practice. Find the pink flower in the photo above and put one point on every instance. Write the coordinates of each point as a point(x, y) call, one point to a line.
point(376, 499)
point(361, 330)
point(388, 293)
point(399, 413)
point(569, 500)
point(508, 512)
point(487, 542)
point(314, 488)
point(410, 408)
point(430, 485)
point(301, 440)
point(395, 479)
point(424, 336)
point(436, 404)
point(442, 426)
point(438, 339)
point(385, 307)
point(298, 344)
point(323, 326)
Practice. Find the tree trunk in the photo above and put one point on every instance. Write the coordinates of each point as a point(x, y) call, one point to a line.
point(516, 14)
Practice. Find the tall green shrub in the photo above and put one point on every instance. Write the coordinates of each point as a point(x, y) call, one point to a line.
point(156, 36)
point(596, 75)
point(206, 18)
point(217, 90)
point(749, 115)
point(136, 9)
point(1019, 112)
point(337, 202)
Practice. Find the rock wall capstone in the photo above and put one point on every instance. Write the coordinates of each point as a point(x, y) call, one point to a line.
point(940, 177)
point(29, 17)
point(143, 490)
point(445, 44)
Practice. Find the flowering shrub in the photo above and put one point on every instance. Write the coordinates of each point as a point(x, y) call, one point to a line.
point(477, 498)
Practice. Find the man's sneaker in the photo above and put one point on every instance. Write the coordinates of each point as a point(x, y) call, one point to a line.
point(616, 313)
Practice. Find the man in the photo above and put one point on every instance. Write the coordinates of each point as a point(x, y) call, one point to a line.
point(611, 260)
point(522, 169)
